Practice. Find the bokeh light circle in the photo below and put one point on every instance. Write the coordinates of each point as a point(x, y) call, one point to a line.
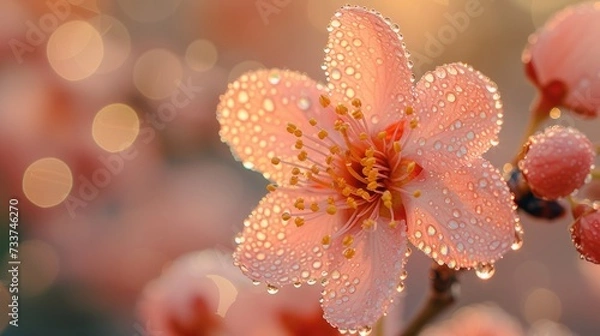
point(117, 42)
point(115, 127)
point(201, 55)
point(75, 50)
point(47, 182)
point(157, 73)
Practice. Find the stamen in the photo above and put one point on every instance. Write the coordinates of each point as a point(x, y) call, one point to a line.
point(347, 240)
point(341, 109)
point(356, 102)
point(331, 209)
point(299, 221)
point(368, 224)
point(314, 207)
point(322, 134)
point(299, 144)
point(326, 241)
point(349, 253)
point(324, 100)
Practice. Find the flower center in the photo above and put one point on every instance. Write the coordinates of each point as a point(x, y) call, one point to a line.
point(362, 172)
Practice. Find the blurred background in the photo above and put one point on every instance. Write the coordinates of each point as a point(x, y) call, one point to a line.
point(109, 141)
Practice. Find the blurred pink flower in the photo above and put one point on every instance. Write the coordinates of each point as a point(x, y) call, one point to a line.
point(557, 161)
point(202, 293)
point(585, 232)
point(561, 59)
point(371, 160)
point(477, 320)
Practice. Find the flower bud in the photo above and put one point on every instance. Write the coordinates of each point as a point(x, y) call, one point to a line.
point(557, 161)
point(561, 59)
point(585, 232)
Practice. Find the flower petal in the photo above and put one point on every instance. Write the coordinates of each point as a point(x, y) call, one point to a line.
point(255, 111)
point(278, 252)
point(463, 217)
point(459, 111)
point(361, 289)
point(366, 59)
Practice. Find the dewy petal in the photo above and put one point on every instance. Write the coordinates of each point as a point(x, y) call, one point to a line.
point(459, 112)
point(360, 290)
point(462, 217)
point(366, 59)
point(255, 111)
point(277, 251)
point(566, 50)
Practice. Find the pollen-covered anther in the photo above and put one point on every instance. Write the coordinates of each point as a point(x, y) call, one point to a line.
point(299, 144)
point(414, 123)
point(367, 224)
point(298, 132)
point(410, 167)
point(409, 110)
point(356, 102)
point(347, 240)
point(275, 160)
point(314, 169)
point(299, 221)
point(341, 109)
point(334, 149)
point(351, 202)
point(286, 216)
point(299, 204)
point(324, 100)
point(382, 135)
point(291, 128)
point(397, 147)
point(303, 156)
point(349, 253)
point(363, 136)
point(294, 180)
point(394, 224)
point(386, 197)
point(417, 193)
point(326, 241)
point(322, 134)
point(271, 187)
point(357, 114)
point(372, 186)
point(295, 171)
point(312, 121)
point(314, 207)
point(331, 209)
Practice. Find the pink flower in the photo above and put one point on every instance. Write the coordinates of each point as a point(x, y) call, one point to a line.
point(363, 165)
point(477, 320)
point(562, 59)
point(202, 293)
point(585, 232)
point(557, 161)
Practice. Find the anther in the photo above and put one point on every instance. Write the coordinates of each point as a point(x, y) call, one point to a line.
point(302, 156)
point(314, 207)
point(393, 224)
point(298, 133)
point(299, 204)
point(299, 221)
point(271, 187)
point(322, 134)
point(352, 202)
point(291, 128)
point(341, 109)
point(357, 114)
point(275, 160)
point(409, 110)
point(368, 223)
point(299, 144)
point(312, 121)
point(356, 102)
point(410, 167)
point(286, 216)
point(349, 253)
point(294, 180)
point(363, 136)
point(326, 241)
point(331, 209)
point(414, 123)
point(347, 240)
point(397, 147)
point(382, 135)
point(295, 171)
point(324, 100)
point(417, 193)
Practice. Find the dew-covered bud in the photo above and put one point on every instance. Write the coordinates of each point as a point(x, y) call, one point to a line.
point(557, 161)
point(585, 232)
point(561, 59)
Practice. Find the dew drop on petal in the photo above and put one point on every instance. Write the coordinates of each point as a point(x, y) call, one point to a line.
point(484, 271)
point(272, 289)
point(303, 103)
point(297, 284)
point(255, 282)
point(336, 74)
point(518, 242)
point(365, 331)
point(400, 287)
point(451, 97)
point(274, 78)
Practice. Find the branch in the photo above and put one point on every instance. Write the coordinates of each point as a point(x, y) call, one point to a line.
point(441, 297)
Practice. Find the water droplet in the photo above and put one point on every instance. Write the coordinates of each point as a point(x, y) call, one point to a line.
point(431, 230)
point(365, 331)
point(374, 119)
point(336, 74)
point(349, 70)
point(484, 271)
point(335, 23)
point(403, 275)
point(429, 77)
point(272, 289)
point(451, 97)
point(255, 282)
point(243, 115)
point(437, 145)
point(243, 97)
point(400, 287)
point(303, 103)
point(518, 242)
point(357, 42)
point(298, 284)
point(274, 78)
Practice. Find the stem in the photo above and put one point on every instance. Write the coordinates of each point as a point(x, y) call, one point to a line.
point(440, 298)
point(539, 113)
